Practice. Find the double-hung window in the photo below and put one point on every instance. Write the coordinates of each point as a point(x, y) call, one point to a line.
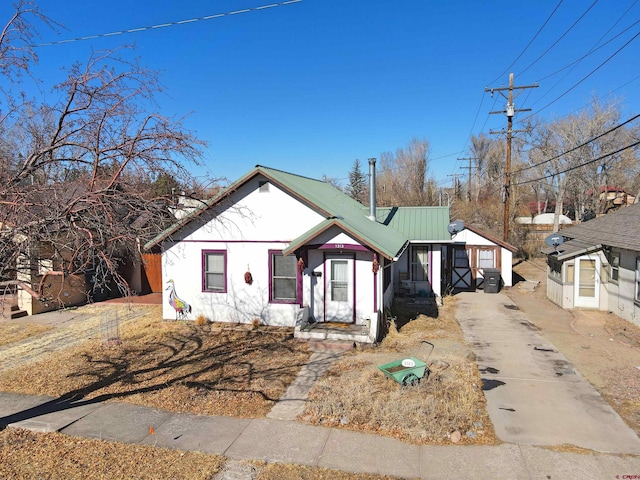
point(420, 263)
point(283, 278)
point(486, 258)
point(214, 271)
point(614, 266)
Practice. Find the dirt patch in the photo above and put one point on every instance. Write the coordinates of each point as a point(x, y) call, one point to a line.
point(355, 394)
point(210, 370)
point(27, 455)
point(603, 347)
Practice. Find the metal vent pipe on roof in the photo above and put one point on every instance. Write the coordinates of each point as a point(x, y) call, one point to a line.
point(372, 189)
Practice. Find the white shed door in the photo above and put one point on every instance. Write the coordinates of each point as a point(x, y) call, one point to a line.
point(339, 301)
point(587, 282)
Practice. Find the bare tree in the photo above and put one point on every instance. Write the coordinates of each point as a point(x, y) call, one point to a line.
point(76, 183)
point(403, 177)
point(577, 155)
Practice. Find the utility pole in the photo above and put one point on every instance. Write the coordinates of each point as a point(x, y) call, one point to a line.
point(510, 112)
point(470, 167)
point(455, 184)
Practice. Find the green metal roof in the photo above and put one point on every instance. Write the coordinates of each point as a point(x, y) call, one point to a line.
point(338, 209)
point(425, 224)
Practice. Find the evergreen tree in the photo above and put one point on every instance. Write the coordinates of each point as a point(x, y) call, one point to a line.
point(357, 187)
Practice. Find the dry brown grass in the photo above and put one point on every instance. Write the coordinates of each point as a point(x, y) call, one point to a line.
point(179, 366)
point(11, 332)
point(356, 395)
point(27, 455)
point(279, 471)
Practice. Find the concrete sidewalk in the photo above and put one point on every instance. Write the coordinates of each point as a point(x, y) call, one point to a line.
point(291, 442)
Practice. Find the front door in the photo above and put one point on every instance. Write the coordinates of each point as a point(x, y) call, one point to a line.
point(339, 289)
point(587, 282)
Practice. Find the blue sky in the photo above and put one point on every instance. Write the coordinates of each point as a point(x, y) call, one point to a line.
point(311, 86)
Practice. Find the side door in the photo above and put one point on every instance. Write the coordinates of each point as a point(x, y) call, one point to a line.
point(587, 282)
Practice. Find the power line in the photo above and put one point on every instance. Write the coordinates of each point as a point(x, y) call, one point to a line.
point(593, 49)
point(559, 38)
point(168, 24)
point(530, 42)
point(579, 146)
point(575, 167)
point(588, 75)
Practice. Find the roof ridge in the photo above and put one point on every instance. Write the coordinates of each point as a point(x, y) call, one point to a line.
point(264, 167)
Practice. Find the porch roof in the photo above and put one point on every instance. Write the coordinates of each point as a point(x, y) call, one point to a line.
point(387, 245)
point(424, 224)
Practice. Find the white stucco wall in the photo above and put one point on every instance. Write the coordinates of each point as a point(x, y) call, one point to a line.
point(257, 222)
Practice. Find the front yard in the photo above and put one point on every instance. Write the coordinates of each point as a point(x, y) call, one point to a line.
point(210, 370)
point(446, 406)
point(242, 370)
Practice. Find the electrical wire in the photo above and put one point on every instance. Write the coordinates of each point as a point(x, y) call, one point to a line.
point(592, 51)
point(168, 24)
point(559, 38)
point(587, 76)
point(529, 167)
point(530, 42)
point(575, 167)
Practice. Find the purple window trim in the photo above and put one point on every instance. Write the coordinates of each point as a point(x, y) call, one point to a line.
point(204, 272)
point(232, 241)
point(375, 292)
point(353, 319)
point(293, 301)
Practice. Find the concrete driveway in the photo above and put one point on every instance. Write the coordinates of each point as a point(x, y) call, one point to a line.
point(534, 395)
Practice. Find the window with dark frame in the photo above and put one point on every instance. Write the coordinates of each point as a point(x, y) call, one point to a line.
point(555, 269)
point(461, 258)
point(420, 263)
point(284, 278)
point(386, 271)
point(214, 275)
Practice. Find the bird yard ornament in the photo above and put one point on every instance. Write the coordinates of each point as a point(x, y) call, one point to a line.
point(182, 308)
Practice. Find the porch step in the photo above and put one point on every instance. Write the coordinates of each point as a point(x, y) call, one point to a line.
point(334, 346)
point(17, 313)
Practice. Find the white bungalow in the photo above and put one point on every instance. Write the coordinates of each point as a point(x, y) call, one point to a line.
point(287, 250)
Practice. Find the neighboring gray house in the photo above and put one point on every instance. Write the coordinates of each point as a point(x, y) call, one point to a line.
point(598, 265)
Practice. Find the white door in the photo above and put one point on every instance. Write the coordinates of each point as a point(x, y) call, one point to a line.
point(587, 282)
point(339, 283)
